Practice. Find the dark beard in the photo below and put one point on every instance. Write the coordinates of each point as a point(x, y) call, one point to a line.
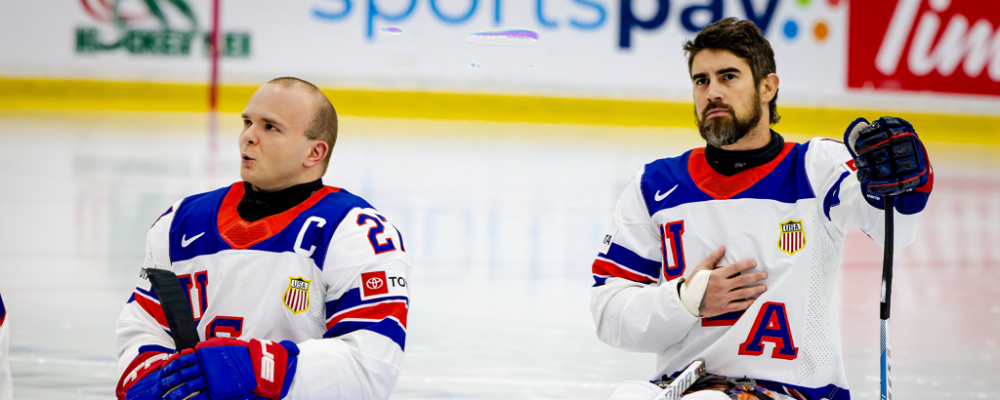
point(722, 131)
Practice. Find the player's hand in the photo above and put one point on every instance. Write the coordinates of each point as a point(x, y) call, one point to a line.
point(258, 369)
point(178, 377)
point(888, 155)
point(182, 378)
point(728, 290)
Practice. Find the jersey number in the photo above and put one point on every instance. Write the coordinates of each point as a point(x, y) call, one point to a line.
point(222, 326)
point(771, 326)
point(377, 228)
point(672, 249)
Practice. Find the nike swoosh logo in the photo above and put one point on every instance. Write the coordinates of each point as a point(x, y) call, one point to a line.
point(185, 241)
point(659, 197)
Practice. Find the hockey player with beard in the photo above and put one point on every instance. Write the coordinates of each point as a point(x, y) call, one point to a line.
point(767, 217)
point(298, 289)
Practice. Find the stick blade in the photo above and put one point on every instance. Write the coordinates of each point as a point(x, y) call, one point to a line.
point(683, 381)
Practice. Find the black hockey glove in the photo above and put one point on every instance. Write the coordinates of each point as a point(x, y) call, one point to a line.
point(890, 160)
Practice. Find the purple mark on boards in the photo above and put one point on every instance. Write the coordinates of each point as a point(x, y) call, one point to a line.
point(516, 34)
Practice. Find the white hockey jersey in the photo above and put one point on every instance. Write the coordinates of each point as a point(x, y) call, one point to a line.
point(790, 215)
point(328, 274)
point(6, 385)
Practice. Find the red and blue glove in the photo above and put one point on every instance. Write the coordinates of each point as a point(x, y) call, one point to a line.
point(161, 373)
point(258, 369)
point(891, 160)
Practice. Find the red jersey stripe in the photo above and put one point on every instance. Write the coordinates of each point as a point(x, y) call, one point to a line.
point(376, 311)
point(602, 267)
point(152, 308)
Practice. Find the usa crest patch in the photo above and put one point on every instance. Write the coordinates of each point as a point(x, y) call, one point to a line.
point(297, 295)
point(793, 237)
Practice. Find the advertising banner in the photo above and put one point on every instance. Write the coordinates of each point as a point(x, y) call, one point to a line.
point(939, 45)
point(828, 52)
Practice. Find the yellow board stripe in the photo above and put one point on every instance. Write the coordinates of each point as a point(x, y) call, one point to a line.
point(52, 94)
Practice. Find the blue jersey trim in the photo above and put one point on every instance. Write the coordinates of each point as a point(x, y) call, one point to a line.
point(352, 299)
point(831, 391)
point(387, 327)
point(787, 183)
point(628, 259)
point(196, 215)
point(199, 214)
point(833, 196)
point(669, 175)
point(155, 348)
point(151, 293)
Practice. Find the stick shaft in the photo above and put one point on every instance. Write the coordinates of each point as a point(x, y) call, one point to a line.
point(885, 387)
point(176, 307)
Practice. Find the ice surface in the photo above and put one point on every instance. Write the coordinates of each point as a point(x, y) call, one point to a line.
point(501, 221)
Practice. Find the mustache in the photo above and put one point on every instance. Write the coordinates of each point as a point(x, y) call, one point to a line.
point(715, 105)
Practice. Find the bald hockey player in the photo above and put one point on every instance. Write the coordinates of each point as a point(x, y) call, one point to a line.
point(729, 253)
point(298, 289)
point(6, 386)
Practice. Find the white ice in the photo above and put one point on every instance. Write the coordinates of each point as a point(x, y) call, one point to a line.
point(501, 221)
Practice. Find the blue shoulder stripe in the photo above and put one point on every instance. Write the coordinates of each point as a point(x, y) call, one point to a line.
point(628, 259)
point(199, 214)
point(667, 183)
point(787, 183)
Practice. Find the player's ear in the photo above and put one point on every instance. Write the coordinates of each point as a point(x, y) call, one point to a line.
point(317, 153)
point(768, 87)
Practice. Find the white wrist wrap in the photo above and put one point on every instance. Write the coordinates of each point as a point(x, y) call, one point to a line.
point(694, 290)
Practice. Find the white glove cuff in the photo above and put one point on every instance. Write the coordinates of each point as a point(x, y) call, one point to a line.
point(694, 290)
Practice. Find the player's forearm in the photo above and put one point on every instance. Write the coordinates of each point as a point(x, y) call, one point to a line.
point(904, 231)
point(871, 219)
point(359, 365)
point(645, 319)
point(132, 333)
point(6, 390)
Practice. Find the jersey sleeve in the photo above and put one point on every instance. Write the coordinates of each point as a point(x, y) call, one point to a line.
point(366, 307)
point(844, 202)
point(6, 386)
point(632, 308)
point(141, 333)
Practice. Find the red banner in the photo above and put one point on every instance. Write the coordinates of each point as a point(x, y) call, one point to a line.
point(948, 46)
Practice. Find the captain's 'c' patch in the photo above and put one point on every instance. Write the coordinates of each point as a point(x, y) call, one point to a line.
point(793, 237)
point(296, 297)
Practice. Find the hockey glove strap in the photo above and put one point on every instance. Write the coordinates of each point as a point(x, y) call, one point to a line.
point(158, 372)
point(891, 160)
point(258, 369)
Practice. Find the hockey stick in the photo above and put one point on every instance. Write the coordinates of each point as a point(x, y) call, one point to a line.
point(886, 384)
point(691, 373)
point(176, 307)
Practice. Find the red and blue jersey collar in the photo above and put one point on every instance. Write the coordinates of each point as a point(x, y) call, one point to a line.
point(241, 234)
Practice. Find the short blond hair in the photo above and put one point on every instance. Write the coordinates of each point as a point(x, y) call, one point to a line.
point(324, 124)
